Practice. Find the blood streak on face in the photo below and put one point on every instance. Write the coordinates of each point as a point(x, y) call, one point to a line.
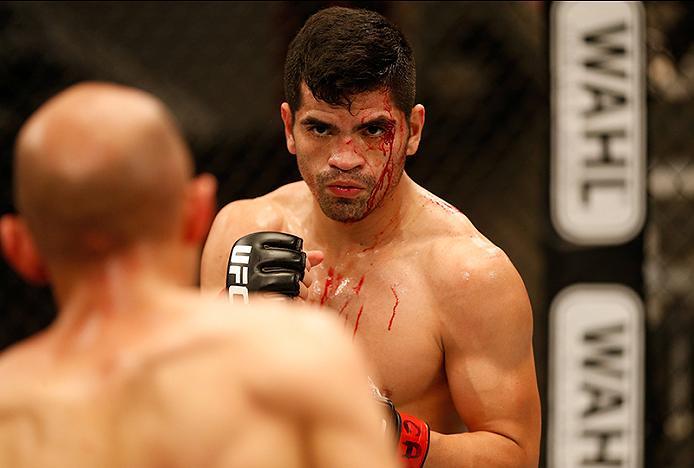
point(356, 324)
point(386, 147)
point(397, 301)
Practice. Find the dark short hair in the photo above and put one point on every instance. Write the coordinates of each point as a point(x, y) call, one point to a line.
point(341, 52)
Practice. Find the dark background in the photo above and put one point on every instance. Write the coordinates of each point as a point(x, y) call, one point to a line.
point(483, 78)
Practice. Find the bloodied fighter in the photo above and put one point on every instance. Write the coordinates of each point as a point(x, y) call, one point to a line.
point(442, 313)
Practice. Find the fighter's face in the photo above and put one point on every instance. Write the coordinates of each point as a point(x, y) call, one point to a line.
point(351, 159)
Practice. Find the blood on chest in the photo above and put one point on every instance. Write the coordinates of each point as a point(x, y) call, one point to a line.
point(361, 300)
point(392, 319)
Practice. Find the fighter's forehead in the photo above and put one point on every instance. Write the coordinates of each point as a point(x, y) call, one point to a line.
point(365, 106)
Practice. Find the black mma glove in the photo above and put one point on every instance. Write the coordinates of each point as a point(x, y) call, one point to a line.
point(270, 262)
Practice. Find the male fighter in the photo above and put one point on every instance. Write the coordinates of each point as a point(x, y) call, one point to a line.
point(139, 370)
point(441, 310)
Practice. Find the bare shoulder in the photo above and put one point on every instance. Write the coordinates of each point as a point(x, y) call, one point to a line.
point(262, 369)
point(466, 254)
point(459, 251)
point(24, 381)
point(302, 348)
point(476, 282)
point(252, 213)
point(11, 361)
point(266, 212)
point(20, 365)
point(267, 343)
point(283, 353)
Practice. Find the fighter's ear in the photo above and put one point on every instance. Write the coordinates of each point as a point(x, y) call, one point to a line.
point(288, 119)
point(416, 125)
point(20, 251)
point(200, 207)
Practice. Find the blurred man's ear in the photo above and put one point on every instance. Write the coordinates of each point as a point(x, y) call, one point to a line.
point(200, 208)
point(288, 119)
point(416, 126)
point(20, 251)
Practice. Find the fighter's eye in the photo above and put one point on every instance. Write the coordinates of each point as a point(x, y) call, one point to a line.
point(374, 131)
point(319, 130)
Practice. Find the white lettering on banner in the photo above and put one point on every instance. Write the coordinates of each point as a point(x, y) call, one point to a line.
point(596, 377)
point(598, 134)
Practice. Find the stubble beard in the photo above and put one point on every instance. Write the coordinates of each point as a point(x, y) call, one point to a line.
point(351, 210)
point(344, 210)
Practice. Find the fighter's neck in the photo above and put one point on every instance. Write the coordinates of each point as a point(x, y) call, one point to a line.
point(99, 299)
point(395, 211)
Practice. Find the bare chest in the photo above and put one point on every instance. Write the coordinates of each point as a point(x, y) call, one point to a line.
point(385, 304)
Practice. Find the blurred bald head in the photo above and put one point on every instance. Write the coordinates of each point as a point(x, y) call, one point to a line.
point(99, 168)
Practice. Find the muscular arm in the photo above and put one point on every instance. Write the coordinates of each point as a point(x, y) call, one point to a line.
point(487, 338)
point(234, 221)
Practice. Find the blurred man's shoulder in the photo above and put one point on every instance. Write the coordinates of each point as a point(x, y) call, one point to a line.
point(257, 349)
point(20, 363)
point(267, 328)
point(301, 348)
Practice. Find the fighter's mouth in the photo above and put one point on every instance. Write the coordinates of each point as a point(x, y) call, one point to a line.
point(345, 189)
point(345, 185)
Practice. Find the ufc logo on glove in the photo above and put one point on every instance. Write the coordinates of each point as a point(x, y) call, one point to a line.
point(238, 272)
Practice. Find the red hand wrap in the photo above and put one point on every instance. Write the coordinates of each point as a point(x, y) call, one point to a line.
point(414, 441)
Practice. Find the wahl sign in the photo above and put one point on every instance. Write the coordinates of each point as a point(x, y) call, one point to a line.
point(598, 146)
point(597, 209)
point(596, 384)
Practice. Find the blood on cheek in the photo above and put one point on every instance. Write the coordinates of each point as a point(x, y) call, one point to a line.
point(385, 179)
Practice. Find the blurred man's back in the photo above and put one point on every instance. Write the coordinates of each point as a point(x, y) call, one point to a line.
point(138, 369)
